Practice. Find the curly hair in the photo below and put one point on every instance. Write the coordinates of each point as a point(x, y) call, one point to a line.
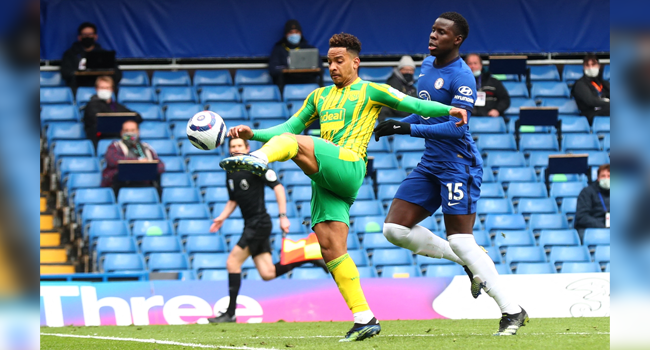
point(350, 42)
point(461, 27)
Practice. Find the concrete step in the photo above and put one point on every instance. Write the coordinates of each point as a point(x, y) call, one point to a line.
point(49, 239)
point(56, 269)
point(54, 255)
point(47, 222)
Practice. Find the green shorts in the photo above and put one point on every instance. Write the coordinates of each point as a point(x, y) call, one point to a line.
point(337, 182)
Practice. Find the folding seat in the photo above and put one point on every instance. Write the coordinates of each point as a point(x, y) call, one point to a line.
point(65, 131)
point(535, 268)
point(387, 192)
point(305, 210)
point(376, 241)
point(160, 244)
point(210, 94)
point(540, 222)
point(170, 78)
point(294, 107)
point(369, 224)
point(212, 77)
point(378, 146)
point(550, 89)
point(202, 261)
point(409, 160)
point(148, 111)
point(597, 159)
point(134, 78)
point(213, 195)
point(296, 227)
point(84, 94)
point(487, 125)
point(274, 211)
point(606, 143)
point(175, 180)
point(144, 212)
point(180, 195)
point(359, 256)
point(214, 275)
point(596, 236)
point(519, 174)
point(174, 94)
point(268, 110)
point(137, 94)
point(580, 267)
point(188, 211)
point(93, 212)
point(571, 73)
point(83, 180)
point(204, 163)
point(518, 190)
point(301, 193)
point(218, 208)
point(154, 130)
point(56, 95)
point(181, 111)
point(564, 105)
point(253, 77)
point(488, 176)
point(572, 253)
point(376, 74)
point(366, 193)
point(115, 244)
point(155, 227)
point(544, 73)
point(59, 113)
point(232, 227)
point(387, 160)
point(168, 261)
point(193, 227)
point(516, 89)
point(229, 110)
point(162, 147)
point(569, 206)
point(381, 257)
point(308, 273)
point(491, 190)
point(261, 93)
point(77, 165)
point(601, 254)
point(205, 244)
point(567, 189)
point(580, 142)
point(496, 142)
point(72, 148)
point(173, 164)
point(518, 102)
point(123, 262)
point(206, 157)
point(297, 92)
point(86, 196)
point(399, 271)
point(366, 207)
point(367, 271)
point(101, 228)
point(444, 270)
point(296, 177)
point(498, 159)
point(494, 206)
point(529, 206)
point(402, 144)
point(211, 179)
point(512, 238)
point(494, 254)
point(538, 142)
point(505, 222)
point(51, 78)
point(575, 125)
point(524, 254)
point(601, 125)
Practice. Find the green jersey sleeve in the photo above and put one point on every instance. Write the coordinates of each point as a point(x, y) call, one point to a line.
point(295, 125)
point(389, 97)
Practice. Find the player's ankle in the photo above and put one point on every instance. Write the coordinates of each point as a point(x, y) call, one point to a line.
point(260, 155)
point(363, 317)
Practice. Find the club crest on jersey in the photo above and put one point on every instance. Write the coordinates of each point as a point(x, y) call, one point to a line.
point(353, 96)
point(244, 185)
point(465, 90)
point(439, 83)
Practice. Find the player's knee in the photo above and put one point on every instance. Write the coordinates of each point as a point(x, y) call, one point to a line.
point(396, 234)
point(267, 275)
point(232, 265)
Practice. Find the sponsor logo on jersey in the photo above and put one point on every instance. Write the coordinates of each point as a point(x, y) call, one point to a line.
point(465, 90)
point(439, 83)
point(464, 98)
point(244, 185)
point(332, 119)
point(424, 94)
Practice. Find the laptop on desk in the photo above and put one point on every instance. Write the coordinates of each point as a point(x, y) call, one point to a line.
point(100, 60)
point(303, 59)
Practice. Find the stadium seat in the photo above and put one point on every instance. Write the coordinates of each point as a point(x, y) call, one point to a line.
point(193, 227)
point(201, 261)
point(388, 160)
point(101, 228)
point(215, 195)
point(261, 93)
point(232, 226)
point(214, 275)
point(305, 210)
point(170, 78)
point(59, 113)
point(381, 257)
point(159, 227)
point(181, 111)
point(534, 268)
point(571, 73)
point(203, 163)
point(369, 224)
point(423, 261)
point(516, 103)
point(229, 110)
point(514, 238)
point(564, 105)
point(136, 94)
point(205, 244)
point(518, 190)
point(601, 254)
point(491, 190)
point(56, 95)
point(561, 254)
point(497, 142)
point(494, 206)
point(175, 94)
point(516, 89)
point(154, 130)
point(72, 148)
point(83, 180)
point(505, 222)
point(180, 195)
point(518, 254)
point(160, 244)
point(144, 212)
point(597, 159)
point(308, 273)
point(569, 206)
point(162, 147)
point(578, 142)
point(218, 208)
point(173, 164)
point(175, 180)
point(487, 125)
point(366, 193)
point(51, 78)
point(143, 195)
point(272, 209)
point(168, 261)
point(378, 146)
point(301, 193)
point(294, 177)
point(212, 77)
point(550, 89)
point(596, 236)
point(488, 176)
point(376, 241)
point(606, 143)
point(134, 78)
point(84, 94)
point(574, 124)
point(367, 271)
point(548, 222)
point(253, 77)
point(77, 165)
point(296, 226)
point(123, 262)
point(403, 144)
point(376, 74)
point(327, 79)
point(297, 92)
point(503, 269)
point(567, 189)
point(148, 111)
point(100, 212)
point(210, 94)
point(115, 244)
point(606, 72)
point(444, 270)
point(366, 207)
point(580, 267)
point(495, 254)
point(359, 256)
point(65, 131)
point(390, 176)
point(497, 159)
point(538, 142)
point(516, 174)
point(387, 192)
point(544, 73)
point(529, 206)
point(268, 110)
point(482, 238)
point(188, 211)
point(399, 271)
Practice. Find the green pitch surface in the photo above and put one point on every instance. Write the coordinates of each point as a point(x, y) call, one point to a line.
point(558, 333)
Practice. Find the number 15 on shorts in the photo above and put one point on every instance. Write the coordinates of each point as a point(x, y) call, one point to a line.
point(455, 191)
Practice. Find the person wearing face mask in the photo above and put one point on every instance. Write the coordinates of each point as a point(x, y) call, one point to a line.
point(492, 98)
point(402, 80)
point(279, 59)
point(592, 209)
point(74, 59)
point(102, 102)
point(591, 91)
point(128, 147)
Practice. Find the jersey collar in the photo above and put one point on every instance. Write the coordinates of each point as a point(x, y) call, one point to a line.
point(357, 80)
point(445, 65)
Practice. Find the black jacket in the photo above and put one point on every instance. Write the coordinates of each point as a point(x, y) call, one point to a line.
point(70, 62)
point(587, 99)
point(589, 211)
point(279, 60)
point(97, 105)
point(398, 82)
point(496, 95)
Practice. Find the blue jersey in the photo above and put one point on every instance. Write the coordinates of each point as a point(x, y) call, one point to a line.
point(452, 84)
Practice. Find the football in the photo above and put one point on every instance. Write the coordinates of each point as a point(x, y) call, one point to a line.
point(206, 130)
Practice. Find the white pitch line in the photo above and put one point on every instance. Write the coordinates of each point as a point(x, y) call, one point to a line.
point(154, 341)
point(435, 335)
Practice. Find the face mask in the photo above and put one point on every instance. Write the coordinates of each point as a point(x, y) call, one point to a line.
point(294, 39)
point(130, 138)
point(591, 72)
point(87, 42)
point(408, 76)
point(476, 73)
point(604, 184)
point(104, 94)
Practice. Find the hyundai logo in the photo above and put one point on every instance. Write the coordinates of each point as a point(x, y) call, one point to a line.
point(465, 90)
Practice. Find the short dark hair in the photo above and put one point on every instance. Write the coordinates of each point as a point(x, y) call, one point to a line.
point(590, 57)
point(473, 54)
point(246, 143)
point(603, 167)
point(460, 23)
point(85, 25)
point(350, 42)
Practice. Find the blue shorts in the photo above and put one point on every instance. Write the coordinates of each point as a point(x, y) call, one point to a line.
point(454, 185)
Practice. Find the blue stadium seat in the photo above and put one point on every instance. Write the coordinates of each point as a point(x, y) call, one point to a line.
point(488, 176)
point(367, 271)
point(56, 95)
point(366, 193)
point(229, 110)
point(219, 94)
point(596, 236)
point(301, 193)
point(148, 111)
point(544, 73)
point(526, 190)
point(444, 271)
point(100, 228)
point(497, 142)
point(327, 79)
point(59, 113)
point(144, 212)
point(503, 269)
point(597, 158)
point(160, 244)
point(548, 222)
point(573, 124)
point(572, 72)
point(77, 165)
point(123, 262)
point(564, 105)
point(516, 174)
point(168, 261)
point(561, 254)
point(535, 268)
point(159, 227)
point(296, 226)
point(298, 92)
point(218, 208)
point(253, 77)
point(193, 227)
point(376, 241)
point(487, 125)
point(215, 195)
point(578, 142)
point(187, 150)
point(567, 189)
point(212, 77)
point(294, 177)
point(203, 163)
point(214, 275)
point(494, 254)
point(180, 195)
point(163, 147)
point(137, 195)
point(261, 93)
point(175, 180)
point(154, 130)
point(369, 224)
point(376, 74)
point(516, 89)
point(528, 206)
point(205, 244)
point(100, 212)
point(505, 222)
point(516, 103)
point(482, 238)
point(492, 190)
point(399, 271)
point(606, 72)
point(188, 211)
point(366, 207)
point(294, 107)
point(536, 142)
point(267, 123)
point(134, 78)
point(175, 94)
point(518, 254)
point(65, 131)
point(601, 254)
point(606, 143)
point(51, 78)
point(494, 206)
point(580, 267)
point(83, 180)
point(305, 210)
point(378, 146)
point(388, 160)
point(272, 209)
point(201, 261)
point(115, 244)
point(308, 273)
point(423, 261)
point(403, 144)
point(390, 176)
point(387, 192)
point(353, 241)
point(514, 238)
point(72, 148)
point(381, 257)
point(232, 227)
point(84, 94)
point(569, 206)
point(174, 164)
point(550, 89)
point(497, 159)
point(170, 78)
point(359, 256)
point(268, 110)
point(136, 94)
point(181, 111)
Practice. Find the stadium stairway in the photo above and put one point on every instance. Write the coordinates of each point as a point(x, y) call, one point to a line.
point(54, 255)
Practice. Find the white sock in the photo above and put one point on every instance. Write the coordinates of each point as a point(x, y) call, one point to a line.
point(464, 245)
point(260, 155)
point(363, 317)
point(420, 241)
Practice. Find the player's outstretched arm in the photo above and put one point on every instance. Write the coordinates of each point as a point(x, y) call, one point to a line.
point(231, 205)
point(447, 130)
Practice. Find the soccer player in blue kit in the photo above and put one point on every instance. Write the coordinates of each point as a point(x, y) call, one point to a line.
point(449, 173)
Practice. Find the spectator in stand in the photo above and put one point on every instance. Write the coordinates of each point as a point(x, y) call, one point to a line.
point(74, 59)
point(102, 102)
point(129, 147)
point(279, 59)
point(591, 91)
point(401, 80)
point(592, 210)
point(492, 98)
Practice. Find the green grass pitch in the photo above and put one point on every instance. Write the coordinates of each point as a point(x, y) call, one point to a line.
point(545, 333)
